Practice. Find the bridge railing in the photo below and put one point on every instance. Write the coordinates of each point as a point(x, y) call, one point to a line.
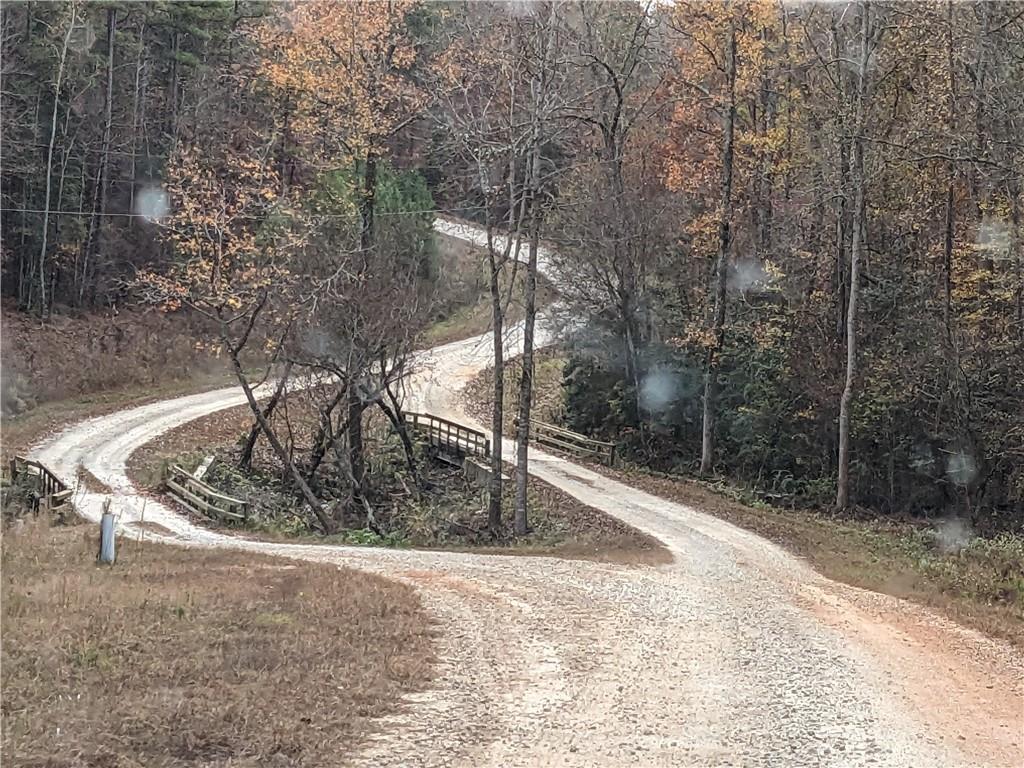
point(51, 488)
point(573, 442)
point(202, 498)
point(449, 435)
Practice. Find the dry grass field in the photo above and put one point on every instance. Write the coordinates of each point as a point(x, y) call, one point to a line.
point(178, 657)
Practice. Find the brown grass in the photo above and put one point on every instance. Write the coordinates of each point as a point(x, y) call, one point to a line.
point(187, 657)
point(78, 353)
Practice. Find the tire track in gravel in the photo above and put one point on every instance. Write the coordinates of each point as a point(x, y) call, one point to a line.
point(736, 654)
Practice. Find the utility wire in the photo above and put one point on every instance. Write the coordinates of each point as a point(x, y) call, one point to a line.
point(448, 211)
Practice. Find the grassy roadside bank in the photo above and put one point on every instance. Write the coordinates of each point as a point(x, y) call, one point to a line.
point(182, 657)
point(975, 581)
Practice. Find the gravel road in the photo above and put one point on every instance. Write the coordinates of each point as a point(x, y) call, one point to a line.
point(736, 654)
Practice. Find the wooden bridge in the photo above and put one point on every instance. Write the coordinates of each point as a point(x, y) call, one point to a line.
point(51, 490)
point(449, 437)
point(572, 442)
point(202, 498)
point(459, 441)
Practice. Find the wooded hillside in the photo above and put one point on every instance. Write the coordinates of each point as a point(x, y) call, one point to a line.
point(789, 236)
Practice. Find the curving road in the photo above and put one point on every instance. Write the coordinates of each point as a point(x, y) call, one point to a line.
point(736, 654)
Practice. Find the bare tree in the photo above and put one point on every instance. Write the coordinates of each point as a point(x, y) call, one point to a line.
point(707, 445)
point(868, 40)
point(547, 89)
point(61, 62)
point(482, 115)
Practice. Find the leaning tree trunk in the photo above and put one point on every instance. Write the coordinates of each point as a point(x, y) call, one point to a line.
point(394, 415)
point(856, 249)
point(275, 443)
point(356, 448)
point(325, 437)
point(707, 446)
point(245, 460)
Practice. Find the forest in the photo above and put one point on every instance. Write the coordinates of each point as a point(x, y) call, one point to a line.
point(787, 237)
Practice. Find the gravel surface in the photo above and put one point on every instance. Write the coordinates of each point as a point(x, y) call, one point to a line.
point(736, 654)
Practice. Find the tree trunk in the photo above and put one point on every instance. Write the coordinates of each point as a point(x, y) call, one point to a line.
point(498, 409)
point(356, 458)
point(275, 443)
point(721, 266)
point(49, 160)
point(947, 250)
point(136, 104)
point(172, 129)
point(496, 262)
point(393, 413)
point(325, 436)
point(842, 237)
point(99, 207)
point(366, 204)
point(856, 249)
point(356, 406)
point(522, 526)
point(245, 461)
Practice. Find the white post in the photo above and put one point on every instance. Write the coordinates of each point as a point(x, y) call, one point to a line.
point(107, 536)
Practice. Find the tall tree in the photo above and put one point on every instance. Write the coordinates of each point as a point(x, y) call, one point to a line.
point(61, 64)
point(548, 96)
point(722, 259)
point(866, 45)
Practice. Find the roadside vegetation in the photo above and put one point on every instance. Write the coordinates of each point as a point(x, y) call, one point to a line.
point(975, 580)
point(441, 508)
point(186, 657)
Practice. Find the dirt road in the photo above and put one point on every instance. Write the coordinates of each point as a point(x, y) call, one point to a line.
point(736, 654)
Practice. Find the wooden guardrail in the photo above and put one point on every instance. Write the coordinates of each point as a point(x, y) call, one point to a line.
point(202, 498)
point(573, 442)
point(449, 435)
point(51, 488)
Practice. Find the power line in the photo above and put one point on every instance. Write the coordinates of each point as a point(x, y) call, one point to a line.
point(7, 143)
point(248, 217)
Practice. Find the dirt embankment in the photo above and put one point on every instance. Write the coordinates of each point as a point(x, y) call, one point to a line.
point(84, 353)
point(81, 365)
